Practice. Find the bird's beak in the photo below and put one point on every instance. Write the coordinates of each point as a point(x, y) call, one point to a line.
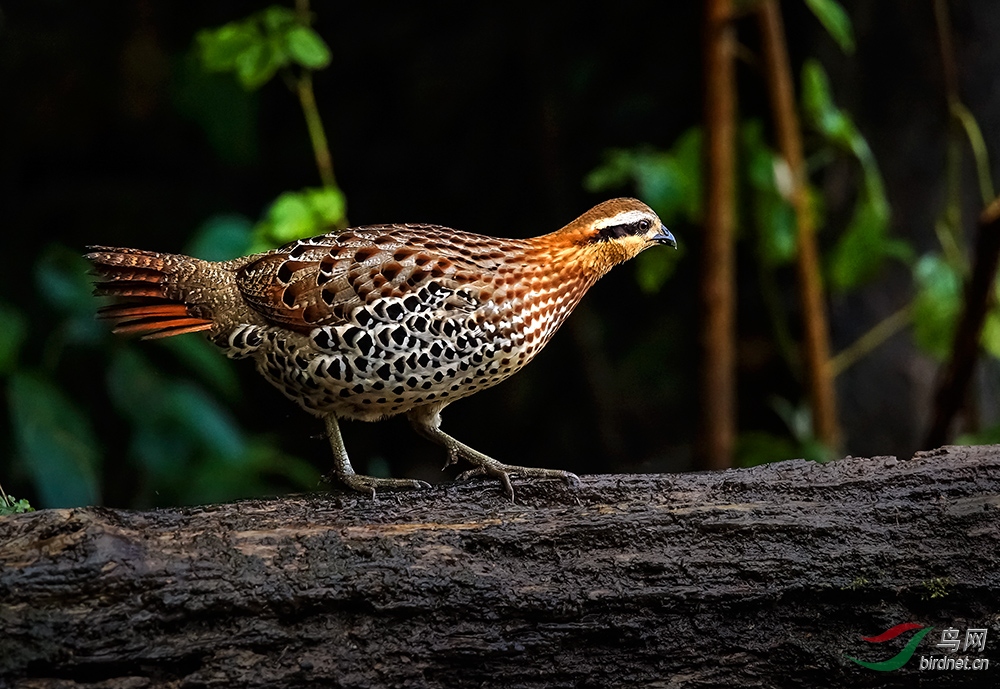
point(664, 237)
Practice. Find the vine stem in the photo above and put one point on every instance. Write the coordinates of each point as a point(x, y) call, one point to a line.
point(307, 98)
point(321, 148)
point(864, 345)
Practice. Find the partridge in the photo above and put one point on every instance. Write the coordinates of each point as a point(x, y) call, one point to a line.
point(375, 321)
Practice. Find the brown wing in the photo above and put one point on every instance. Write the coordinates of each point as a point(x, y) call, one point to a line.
point(320, 281)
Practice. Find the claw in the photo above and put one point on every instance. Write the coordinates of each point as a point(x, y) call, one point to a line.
point(503, 472)
point(369, 484)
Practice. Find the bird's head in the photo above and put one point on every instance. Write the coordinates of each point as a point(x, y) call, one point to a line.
point(611, 233)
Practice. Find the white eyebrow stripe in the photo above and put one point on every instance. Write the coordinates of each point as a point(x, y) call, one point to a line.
point(624, 218)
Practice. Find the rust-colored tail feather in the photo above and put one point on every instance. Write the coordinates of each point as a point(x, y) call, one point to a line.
point(138, 279)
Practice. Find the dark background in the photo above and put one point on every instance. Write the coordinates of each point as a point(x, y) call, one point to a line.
point(484, 117)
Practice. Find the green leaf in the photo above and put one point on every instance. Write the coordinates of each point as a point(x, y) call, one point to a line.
point(54, 442)
point(836, 22)
point(11, 505)
point(278, 19)
point(865, 243)
point(220, 48)
point(307, 48)
point(291, 217)
point(860, 250)
point(255, 48)
point(937, 304)
point(773, 216)
point(328, 204)
point(257, 64)
point(670, 182)
point(298, 214)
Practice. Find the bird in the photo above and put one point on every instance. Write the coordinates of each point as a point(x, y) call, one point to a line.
point(374, 321)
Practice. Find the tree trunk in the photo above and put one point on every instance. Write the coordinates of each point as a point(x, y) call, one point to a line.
point(759, 577)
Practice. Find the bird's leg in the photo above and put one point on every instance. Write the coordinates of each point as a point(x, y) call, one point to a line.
point(427, 422)
point(344, 472)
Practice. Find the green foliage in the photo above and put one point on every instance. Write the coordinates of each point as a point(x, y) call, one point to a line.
point(257, 47)
point(298, 214)
point(834, 19)
point(669, 181)
point(772, 215)
point(54, 442)
point(937, 304)
point(11, 505)
point(184, 444)
point(864, 245)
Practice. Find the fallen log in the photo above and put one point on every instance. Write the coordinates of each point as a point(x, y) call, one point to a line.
point(758, 577)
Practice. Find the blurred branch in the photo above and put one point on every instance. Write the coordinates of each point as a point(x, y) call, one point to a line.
point(819, 373)
point(956, 376)
point(965, 350)
point(718, 293)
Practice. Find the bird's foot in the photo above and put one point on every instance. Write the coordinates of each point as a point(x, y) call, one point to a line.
point(371, 484)
point(487, 466)
point(452, 458)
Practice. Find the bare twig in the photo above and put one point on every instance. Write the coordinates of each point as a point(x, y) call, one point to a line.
point(819, 373)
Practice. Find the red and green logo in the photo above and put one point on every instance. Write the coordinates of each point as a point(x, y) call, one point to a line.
point(898, 660)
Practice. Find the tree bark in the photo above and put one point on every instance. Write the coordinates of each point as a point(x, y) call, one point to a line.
point(758, 577)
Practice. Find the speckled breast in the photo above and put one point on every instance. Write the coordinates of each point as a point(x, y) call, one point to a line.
point(443, 339)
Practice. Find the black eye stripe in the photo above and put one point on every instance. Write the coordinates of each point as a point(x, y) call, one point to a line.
point(618, 231)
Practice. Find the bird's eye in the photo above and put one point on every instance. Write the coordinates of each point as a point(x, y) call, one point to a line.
point(644, 225)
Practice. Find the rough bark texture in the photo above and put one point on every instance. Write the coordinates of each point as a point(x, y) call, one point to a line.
point(755, 577)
